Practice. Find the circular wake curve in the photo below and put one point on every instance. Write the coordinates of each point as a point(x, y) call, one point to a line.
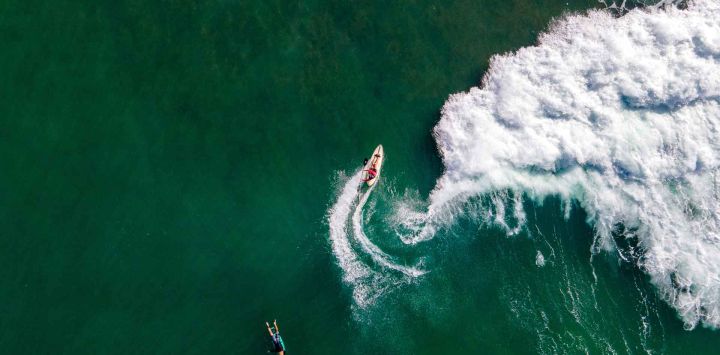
point(368, 281)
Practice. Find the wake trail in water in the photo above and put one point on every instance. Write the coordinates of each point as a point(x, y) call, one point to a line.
point(367, 280)
point(379, 256)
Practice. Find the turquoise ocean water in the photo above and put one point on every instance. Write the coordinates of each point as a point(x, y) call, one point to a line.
point(171, 169)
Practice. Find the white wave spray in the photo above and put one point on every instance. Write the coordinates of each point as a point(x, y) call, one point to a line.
point(619, 113)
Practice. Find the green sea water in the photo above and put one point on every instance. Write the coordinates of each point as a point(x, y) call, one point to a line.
point(167, 169)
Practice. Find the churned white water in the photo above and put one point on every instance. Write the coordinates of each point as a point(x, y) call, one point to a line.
point(621, 114)
point(369, 279)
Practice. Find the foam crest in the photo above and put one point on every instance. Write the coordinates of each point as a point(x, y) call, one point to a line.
point(620, 114)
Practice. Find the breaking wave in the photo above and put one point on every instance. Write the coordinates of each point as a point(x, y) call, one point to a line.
point(621, 114)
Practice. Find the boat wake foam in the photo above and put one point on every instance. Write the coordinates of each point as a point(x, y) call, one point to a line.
point(368, 278)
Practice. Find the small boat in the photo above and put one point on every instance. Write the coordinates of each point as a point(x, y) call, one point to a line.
point(371, 171)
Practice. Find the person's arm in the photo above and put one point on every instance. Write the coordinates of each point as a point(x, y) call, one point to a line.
point(269, 330)
point(277, 330)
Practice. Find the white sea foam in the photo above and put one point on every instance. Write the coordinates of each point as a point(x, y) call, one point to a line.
point(355, 272)
point(377, 255)
point(367, 280)
point(539, 259)
point(620, 114)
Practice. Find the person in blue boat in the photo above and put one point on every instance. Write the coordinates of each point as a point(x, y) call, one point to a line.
point(278, 345)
